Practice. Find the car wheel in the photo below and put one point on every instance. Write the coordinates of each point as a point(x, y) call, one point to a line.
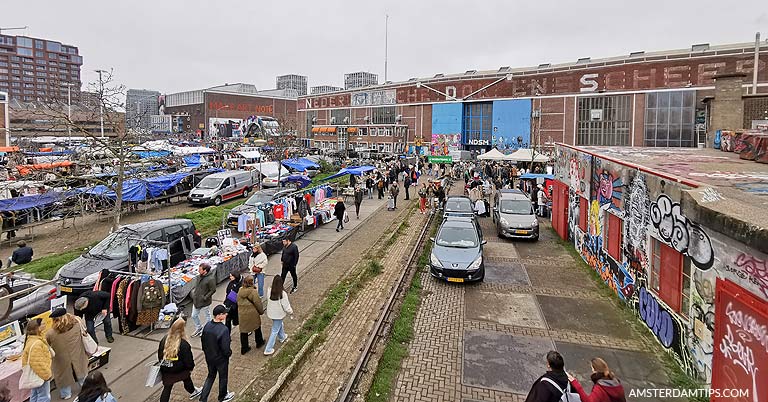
point(217, 201)
point(245, 193)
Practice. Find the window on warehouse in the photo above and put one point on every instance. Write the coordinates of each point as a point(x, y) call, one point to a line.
point(670, 118)
point(604, 120)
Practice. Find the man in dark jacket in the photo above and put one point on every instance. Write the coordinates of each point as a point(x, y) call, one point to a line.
point(393, 192)
point(202, 297)
point(358, 200)
point(216, 347)
point(290, 259)
point(406, 184)
point(89, 305)
point(22, 255)
point(338, 212)
point(543, 390)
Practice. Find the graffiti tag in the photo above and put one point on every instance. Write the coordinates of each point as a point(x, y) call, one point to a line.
point(682, 234)
point(736, 347)
point(656, 318)
point(637, 213)
point(755, 269)
point(711, 195)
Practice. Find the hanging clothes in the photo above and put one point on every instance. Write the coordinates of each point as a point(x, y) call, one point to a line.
point(160, 260)
point(319, 195)
point(242, 222)
point(278, 211)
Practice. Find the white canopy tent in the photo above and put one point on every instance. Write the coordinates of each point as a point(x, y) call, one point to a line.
point(492, 155)
point(526, 155)
point(249, 154)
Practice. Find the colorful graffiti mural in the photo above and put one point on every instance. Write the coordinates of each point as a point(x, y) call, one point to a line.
point(682, 234)
point(755, 270)
point(443, 144)
point(666, 326)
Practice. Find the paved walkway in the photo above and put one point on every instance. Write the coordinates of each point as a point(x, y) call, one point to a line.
point(328, 367)
point(487, 341)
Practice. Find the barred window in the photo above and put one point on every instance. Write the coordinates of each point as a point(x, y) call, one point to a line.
point(604, 120)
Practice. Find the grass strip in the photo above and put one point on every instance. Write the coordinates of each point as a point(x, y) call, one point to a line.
point(46, 267)
point(209, 219)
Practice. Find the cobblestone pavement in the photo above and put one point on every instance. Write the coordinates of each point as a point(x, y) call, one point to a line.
point(328, 367)
point(487, 341)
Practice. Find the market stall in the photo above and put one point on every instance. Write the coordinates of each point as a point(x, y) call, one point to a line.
point(229, 257)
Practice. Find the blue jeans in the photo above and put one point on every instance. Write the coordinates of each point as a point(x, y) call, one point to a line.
point(90, 325)
point(66, 392)
point(196, 312)
point(41, 393)
point(260, 281)
point(277, 331)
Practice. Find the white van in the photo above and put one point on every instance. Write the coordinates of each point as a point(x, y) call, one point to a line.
point(218, 187)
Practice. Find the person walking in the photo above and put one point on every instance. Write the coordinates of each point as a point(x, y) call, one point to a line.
point(358, 200)
point(176, 361)
point(289, 259)
point(440, 193)
point(250, 309)
point(230, 299)
point(37, 356)
point(606, 387)
point(369, 184)
point(380, 186)
point(549, 387)
point(278, 306)
point(202, 297)
point(95, 389)
point(423, 198)
point(92, 304)
point(258, 263)
point(542, 197)
point(394, 190)
point(338, 211)
point(215, 341)
point(406, 185)
point(70, 363)
point(22, 255)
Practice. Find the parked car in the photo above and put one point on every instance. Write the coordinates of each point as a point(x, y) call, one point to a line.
point(514, 215)
point(218, 187)
point(258, 198)
point(457, 251)
point(458, 205)
point(112, 252)
point(24, 303)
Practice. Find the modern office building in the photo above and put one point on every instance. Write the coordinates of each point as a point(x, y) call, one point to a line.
point(654, 99)
point(140, 105)
point(293, 81)
point(34, 68)
point(324, 89)
point(5, 135)
point(360, 79)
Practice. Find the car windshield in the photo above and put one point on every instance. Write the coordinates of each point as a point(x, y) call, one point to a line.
point(209, 183)
point(516, 207)
point(259, 198)
point(462, 237)
point(113, 246)
point(458, 205)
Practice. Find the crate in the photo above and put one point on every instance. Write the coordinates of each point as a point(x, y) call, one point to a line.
point(101, 358)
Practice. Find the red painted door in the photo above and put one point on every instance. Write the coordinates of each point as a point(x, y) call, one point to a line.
point(671, 277)
point(560, 209)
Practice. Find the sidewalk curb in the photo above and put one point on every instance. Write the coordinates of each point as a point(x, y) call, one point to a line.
point(285, 374)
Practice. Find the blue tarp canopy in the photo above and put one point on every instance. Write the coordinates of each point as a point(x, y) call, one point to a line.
point(135, 190)
point(299, 164)
point(537, 176)
point(193, 161)
point(152, 154)
point(300, 179)
point(354, 170)
point(30, 201)
point(156, 185)
point(51, 153)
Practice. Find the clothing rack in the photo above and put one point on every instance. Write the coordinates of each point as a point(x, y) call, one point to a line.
point(167, 247)
point(138, 275)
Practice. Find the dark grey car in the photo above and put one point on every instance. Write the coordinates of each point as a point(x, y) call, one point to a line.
point(252, 203)
point(458, 205)
point(457, 251)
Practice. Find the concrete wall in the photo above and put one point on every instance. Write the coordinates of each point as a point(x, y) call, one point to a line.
point(727, 107)
point(652, 207)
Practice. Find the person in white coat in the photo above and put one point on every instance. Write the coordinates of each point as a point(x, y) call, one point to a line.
point(257, 262)
point(278, 307)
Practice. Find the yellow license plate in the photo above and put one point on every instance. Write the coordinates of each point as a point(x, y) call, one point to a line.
point(65, 289)
point(521, 232)
point(455, 279)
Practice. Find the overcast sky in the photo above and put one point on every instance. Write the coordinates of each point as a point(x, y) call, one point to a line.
point(177, 45)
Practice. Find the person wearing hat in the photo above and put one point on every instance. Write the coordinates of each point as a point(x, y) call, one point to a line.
point(70, 364)
point(22, 255)
point(89, 305)
point(215, 342)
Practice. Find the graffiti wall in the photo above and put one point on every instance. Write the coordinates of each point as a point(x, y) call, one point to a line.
point(652, 209)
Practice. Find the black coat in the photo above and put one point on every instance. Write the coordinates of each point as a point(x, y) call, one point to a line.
point(97, 301)
point(543, 391)
point(216, 342)
point(290, 257)
point(338, 210)
point(180, 368)
point(22, 255)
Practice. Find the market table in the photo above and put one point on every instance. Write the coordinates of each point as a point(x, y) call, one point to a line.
point(221, 271)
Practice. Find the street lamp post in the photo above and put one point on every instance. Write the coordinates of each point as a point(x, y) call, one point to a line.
point(69, 109)
point(101, 103)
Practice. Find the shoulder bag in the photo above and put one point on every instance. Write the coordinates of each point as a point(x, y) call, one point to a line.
point(88, 343)
point(29, 379)
point(567, 394)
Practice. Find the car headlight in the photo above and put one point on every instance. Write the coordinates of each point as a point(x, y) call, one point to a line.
point(90, 279)
point(503, 222)
point(476, 263)
point(434, 261)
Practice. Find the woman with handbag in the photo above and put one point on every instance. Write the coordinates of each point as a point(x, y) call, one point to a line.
point(176, 361)
point(70, 365)
point(36, 360)
point(231, 299)
point(95, 389)
point(278, 307)
point(250, 309)
point(258, 262)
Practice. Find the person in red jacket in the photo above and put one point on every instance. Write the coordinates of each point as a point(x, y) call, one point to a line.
point(607, 387)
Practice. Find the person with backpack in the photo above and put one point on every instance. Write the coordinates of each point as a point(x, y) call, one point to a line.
point(606, 388)
point(380, 186)
point(551, 386)
point(230, 299)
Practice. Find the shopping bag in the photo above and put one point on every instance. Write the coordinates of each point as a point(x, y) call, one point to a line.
point(153, 377)
point(346, 217)
point(29, 379)
point(88, 343)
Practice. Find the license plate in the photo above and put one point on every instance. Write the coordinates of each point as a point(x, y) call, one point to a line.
point(521, 232)
point(65, 289)
point(455, 279)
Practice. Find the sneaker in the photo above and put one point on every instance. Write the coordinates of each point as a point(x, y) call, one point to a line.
point(197, 333)
point(230, 396)
point(295, 288)
point(284, 340)
point(269, 352)
point(198, 391)
point(110, 339)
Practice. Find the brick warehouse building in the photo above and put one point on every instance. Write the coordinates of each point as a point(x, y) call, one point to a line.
point(229, 106)
point(644, 99)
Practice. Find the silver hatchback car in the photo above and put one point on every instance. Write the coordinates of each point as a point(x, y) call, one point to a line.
point(514, 216)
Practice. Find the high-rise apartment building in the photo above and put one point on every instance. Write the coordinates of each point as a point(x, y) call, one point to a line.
point(293, 81)
point(360, 79)
point(140, 105)
point(324, 89)
point(33, 68)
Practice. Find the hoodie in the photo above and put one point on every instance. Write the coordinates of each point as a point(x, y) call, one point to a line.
point(543, 391)
point(604, 390)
